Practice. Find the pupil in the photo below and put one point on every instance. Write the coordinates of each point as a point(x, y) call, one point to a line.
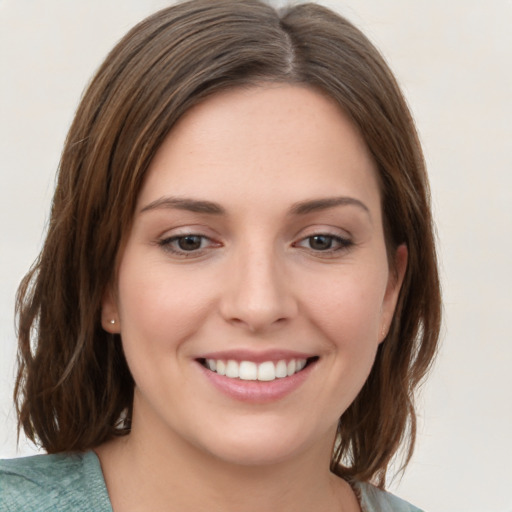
point(189, 243)
point(320, 242)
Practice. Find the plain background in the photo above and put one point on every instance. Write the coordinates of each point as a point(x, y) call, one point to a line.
point(453, 59)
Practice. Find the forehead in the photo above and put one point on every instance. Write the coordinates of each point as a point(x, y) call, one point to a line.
point(283, 140)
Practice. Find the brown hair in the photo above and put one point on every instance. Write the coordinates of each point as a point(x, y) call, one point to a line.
point(74, 389)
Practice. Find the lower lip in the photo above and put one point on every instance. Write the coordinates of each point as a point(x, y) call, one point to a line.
point(256, 391)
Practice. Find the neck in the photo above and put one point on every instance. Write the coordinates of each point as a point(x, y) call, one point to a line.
point(162, 471)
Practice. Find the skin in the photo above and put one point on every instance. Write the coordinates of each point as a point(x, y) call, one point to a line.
point(258, 282)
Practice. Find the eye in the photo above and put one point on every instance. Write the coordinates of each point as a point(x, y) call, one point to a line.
point(187, 245)
point(324, 243)
point(189, 242)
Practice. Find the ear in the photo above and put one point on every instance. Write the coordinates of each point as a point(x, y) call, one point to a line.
point(396, 277)
point(109, 313)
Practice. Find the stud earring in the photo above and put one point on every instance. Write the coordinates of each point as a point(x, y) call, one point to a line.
point(112, 321)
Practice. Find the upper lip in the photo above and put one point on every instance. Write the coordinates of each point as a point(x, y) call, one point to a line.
point(255, 356)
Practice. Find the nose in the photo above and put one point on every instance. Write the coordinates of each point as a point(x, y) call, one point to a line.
point(257, 295)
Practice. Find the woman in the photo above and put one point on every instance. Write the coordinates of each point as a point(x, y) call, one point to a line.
point(238, 292)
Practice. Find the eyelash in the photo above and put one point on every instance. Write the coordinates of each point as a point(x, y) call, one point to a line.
point(171, 244)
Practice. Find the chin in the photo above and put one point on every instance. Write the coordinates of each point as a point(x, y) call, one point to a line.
point(264, 446)
point(254, 454)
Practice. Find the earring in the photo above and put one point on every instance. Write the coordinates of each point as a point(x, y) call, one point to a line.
point(112, 321)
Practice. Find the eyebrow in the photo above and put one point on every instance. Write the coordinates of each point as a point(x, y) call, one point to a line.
point(314, 205)
point(209, 207)
point(191, 205)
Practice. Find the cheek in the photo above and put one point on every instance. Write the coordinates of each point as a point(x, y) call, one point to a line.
point(349, 308)
point(160, 307)
point(345, 313)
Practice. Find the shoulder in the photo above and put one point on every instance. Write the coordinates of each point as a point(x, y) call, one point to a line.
point(53, 482)
point(373, 499)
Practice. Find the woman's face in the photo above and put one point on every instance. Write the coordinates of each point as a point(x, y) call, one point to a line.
point(257, 247)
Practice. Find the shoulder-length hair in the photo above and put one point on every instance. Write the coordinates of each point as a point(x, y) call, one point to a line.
point(74, 389)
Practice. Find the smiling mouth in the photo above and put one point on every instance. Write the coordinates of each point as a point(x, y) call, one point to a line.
point(265, 371)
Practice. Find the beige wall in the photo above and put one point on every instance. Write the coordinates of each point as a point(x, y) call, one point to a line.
point(453, 58)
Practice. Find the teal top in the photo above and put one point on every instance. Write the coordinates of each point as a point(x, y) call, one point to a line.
point(65, 482)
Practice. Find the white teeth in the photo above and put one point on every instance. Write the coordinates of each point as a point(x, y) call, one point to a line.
point(281, 369)
point(266, 371)
point(221, 367)
point(232, 369)
point(291, 367)
point(248, 370)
